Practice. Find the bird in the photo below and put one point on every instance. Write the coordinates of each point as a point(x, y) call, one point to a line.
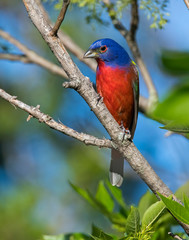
point(117, 82)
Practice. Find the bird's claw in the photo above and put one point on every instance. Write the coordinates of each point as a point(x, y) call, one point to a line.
point(126, 133)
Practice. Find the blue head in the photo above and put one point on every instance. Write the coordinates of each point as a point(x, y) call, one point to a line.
point(108, 51)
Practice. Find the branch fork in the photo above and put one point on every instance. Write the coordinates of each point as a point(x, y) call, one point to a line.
point(60, 18)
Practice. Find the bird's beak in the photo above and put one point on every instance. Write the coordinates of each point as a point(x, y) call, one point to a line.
point(90, 54)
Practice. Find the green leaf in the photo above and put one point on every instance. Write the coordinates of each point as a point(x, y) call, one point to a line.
point(181, 190)
point(166, 219)
point(153, 213)
point(85, 194)
point(179, 127)
point(115, 218)
point(133, 221)
point(174, 109)
point(175, 62)
point(180, 212)
point(91, 199)
point(186, 202)
point(117, 194)
point(97, 233)
point(145, 202)
point(104, 197)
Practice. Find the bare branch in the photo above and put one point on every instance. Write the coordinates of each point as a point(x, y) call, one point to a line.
point(15, 57)
point(143, 104)
point(35, 112)
point(187, 3)
point(60, 19)
point(31, 56)
point(134, 19)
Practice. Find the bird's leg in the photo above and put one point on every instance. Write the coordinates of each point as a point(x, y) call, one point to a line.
point(126, 132)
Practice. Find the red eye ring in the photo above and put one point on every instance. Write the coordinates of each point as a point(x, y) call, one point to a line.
point(103, 48)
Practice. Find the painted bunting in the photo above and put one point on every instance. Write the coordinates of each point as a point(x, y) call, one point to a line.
point(117, 83)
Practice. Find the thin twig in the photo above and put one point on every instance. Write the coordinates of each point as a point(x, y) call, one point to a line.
point(32, 56)
point(68, 42)
point(175, 236)
point(134, 20)
point(60, 19)
point(15, 57)
point(35, 112)
point(187, 3)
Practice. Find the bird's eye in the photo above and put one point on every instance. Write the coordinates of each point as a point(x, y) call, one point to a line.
point(103, 49)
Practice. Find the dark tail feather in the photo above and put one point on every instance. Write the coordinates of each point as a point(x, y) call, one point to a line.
point(116, 168)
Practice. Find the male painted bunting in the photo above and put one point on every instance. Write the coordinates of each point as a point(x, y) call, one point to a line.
point(117, 83)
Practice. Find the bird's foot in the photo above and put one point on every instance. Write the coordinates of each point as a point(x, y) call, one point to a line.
point(126, 133)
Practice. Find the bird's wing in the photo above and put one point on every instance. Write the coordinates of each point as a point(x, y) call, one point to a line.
point(135, 85)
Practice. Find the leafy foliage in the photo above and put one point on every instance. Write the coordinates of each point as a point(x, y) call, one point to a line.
point(175, 62)
point(183, 189)
point(156, 10)
point(140, 222)
point(179, 211)
point(133, 221)
point(148, 220)
point(18, 217)
point(153, 213)
point(173, 111)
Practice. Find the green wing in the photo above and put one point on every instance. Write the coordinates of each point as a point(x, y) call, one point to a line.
point(136, 100)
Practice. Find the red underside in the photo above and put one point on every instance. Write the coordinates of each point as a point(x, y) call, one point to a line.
point(115, 86)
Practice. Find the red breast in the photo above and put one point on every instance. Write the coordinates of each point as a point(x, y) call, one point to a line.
point(115, 86)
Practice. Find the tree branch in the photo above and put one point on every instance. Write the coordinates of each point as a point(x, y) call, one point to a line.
point(15, 57)
point(129, 36)
point(187, 3)
point(30, 56)
point(35, 112)
point(134, 19)
point(175, 236)
point(60, 19)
